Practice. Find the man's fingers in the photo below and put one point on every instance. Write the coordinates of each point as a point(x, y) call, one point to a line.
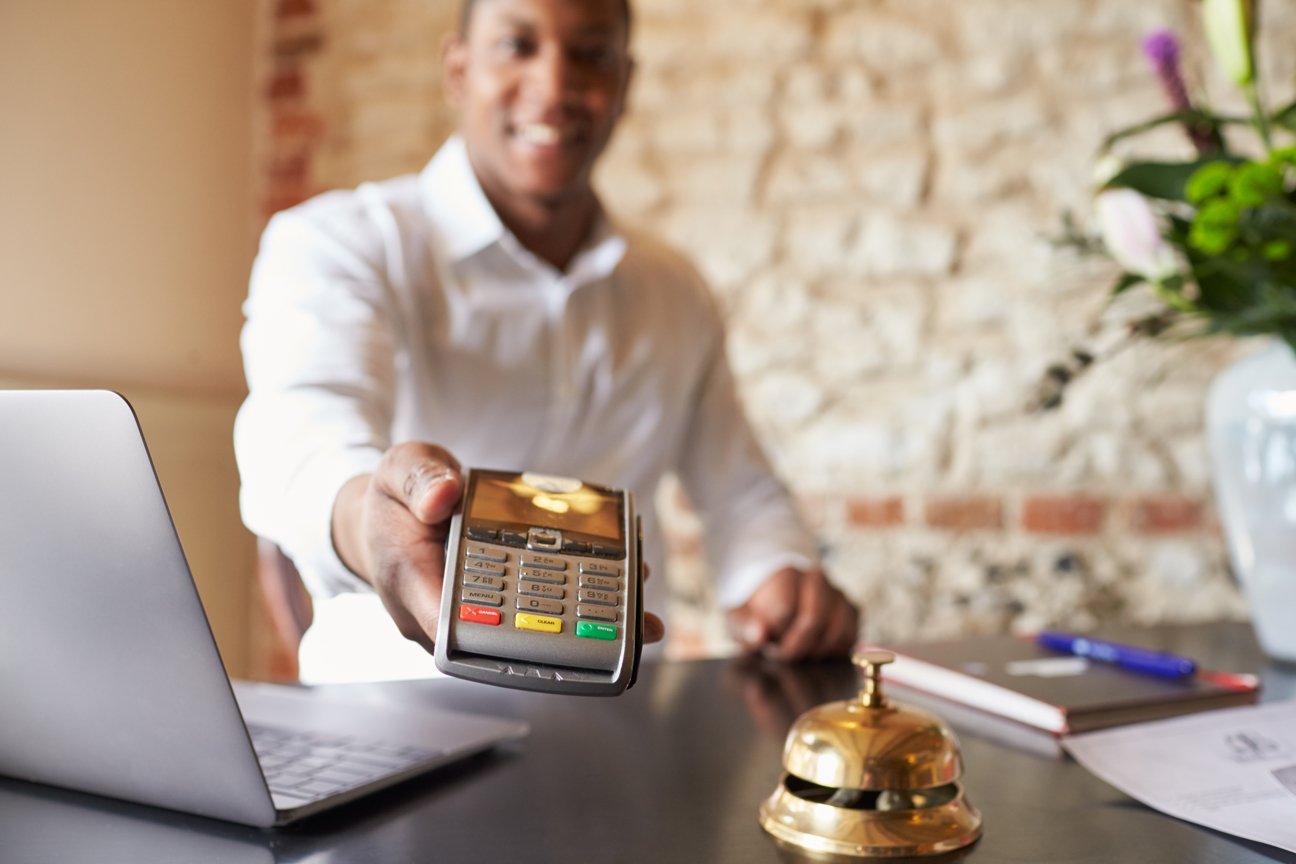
point(423, 477)
point(775, 602)
point(839, 635)
point(813, 605)
point(653, 628)
point(746, 629)
point(408, 575)
point(410, 628)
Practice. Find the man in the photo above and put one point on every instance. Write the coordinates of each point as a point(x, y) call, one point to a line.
point(488, 309)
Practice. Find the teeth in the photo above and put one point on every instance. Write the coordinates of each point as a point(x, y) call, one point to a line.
point(539, 133)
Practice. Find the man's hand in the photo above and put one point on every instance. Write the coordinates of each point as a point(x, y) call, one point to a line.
point(795, 615)
point(390, 529)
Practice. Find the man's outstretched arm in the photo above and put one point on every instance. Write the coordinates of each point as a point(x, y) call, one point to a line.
point(390, 527)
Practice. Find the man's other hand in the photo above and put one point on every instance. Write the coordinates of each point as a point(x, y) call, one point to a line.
point(796, 615)
point(390, 529)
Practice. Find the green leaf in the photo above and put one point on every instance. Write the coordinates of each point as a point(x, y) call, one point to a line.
point(1126, 282)
point(1278, 250)
point(1210, 179)
point(1251, 183)
point(1164, 180)
point(1219, 213)
point(1286, 117)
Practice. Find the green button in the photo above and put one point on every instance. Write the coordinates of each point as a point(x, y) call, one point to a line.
point(590, 630)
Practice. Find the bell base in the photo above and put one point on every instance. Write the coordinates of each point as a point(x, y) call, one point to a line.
point(828, 830)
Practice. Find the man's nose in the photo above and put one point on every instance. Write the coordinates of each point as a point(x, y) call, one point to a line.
point(551, 78)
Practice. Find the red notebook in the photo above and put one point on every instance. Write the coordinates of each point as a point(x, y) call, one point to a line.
point(1018, 679)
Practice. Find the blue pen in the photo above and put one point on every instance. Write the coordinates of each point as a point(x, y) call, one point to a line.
point(1157, 663)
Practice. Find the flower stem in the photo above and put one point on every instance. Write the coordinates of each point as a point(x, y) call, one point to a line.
point(1261, 118)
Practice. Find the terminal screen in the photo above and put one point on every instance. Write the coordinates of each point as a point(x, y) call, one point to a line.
point(542, 500)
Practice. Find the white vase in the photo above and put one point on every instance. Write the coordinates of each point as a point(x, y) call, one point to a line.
point(1251, 421)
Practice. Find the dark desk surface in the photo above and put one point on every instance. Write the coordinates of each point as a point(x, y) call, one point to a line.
point(671, 772)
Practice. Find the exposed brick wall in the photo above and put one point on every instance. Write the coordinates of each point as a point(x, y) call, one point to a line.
point(875, 512)
point(1166, 514)
point(980, 512)
point(1053, 514)
point(870, 188)
point(291, 129)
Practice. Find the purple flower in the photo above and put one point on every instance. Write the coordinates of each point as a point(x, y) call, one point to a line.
point(1162, 50)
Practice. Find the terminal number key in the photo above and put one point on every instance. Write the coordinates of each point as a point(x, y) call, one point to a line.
point(481, 580)
point(536, 589)
point(606, 583)
point(600, 598)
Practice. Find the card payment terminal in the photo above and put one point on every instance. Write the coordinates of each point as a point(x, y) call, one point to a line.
point(543, 585)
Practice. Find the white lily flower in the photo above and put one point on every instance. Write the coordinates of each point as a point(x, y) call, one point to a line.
point(1132, 234)
point(1230, 26)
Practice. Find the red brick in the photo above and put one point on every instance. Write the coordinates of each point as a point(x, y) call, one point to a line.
point(287, 84)
point(965, 513)
point(291, 124)
point(295, 47)
point(281, 199)
point(1165, 514)
point(874, 512)
point(294, 8)
point(1064, 514)
point(294, 169)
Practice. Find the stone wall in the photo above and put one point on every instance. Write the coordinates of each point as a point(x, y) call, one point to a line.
point(870, 187)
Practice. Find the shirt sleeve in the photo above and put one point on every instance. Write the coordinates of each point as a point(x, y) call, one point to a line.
point(751, 527)
point(318, 351)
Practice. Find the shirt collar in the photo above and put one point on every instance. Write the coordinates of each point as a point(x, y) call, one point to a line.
point(464, 222)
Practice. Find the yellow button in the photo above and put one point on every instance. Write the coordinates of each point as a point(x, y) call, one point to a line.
point(538, 623)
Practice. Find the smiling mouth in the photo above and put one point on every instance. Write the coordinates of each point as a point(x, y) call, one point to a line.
point(541, 134)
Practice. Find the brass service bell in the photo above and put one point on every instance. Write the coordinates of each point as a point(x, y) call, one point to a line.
point(868, 777)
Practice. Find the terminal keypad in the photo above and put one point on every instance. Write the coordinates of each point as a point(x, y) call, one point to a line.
point(526, 590)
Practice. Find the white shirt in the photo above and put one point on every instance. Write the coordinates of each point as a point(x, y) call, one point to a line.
point(405, 310)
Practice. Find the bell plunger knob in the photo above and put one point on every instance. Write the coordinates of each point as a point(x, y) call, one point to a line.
point(871, 695)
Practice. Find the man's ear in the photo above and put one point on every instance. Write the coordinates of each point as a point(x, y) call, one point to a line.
point(454, 67)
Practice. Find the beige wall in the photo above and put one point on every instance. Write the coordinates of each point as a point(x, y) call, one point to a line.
point(126, 236)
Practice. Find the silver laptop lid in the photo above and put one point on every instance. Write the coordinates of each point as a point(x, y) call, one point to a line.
point(110, 681)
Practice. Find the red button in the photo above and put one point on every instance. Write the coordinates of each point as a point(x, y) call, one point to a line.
point(478, 615)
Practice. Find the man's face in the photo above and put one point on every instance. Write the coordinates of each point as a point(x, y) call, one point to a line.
point(539, 85)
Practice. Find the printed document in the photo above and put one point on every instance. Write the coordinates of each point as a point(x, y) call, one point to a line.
point(1233, 770)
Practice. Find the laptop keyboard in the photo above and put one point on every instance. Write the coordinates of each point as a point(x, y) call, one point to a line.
point(304, 766)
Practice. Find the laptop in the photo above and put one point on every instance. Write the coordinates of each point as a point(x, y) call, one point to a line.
point(110, 681)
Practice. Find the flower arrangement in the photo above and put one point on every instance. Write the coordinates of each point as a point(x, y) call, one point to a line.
point(1213, 238)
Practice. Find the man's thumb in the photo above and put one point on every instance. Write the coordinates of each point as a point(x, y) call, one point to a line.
point(424, 477)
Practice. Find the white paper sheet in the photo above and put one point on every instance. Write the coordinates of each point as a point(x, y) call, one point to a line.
point(1233, 770)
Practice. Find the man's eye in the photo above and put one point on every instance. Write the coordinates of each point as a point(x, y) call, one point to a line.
point(521, 46)
point(593, 55)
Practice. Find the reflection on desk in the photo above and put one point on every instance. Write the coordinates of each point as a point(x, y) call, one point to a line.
point(42, 824)
point(673, 771)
